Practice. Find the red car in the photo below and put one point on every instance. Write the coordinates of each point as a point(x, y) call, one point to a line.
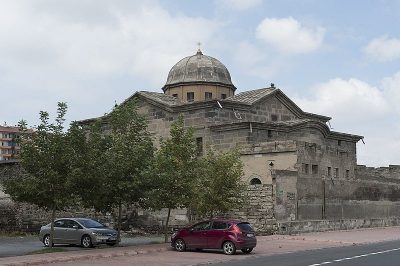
point(228, 235)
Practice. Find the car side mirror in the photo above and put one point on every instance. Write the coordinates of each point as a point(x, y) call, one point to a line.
point(191, 229)
point(75, 227)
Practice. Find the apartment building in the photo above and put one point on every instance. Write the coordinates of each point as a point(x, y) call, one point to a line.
point(9, 147)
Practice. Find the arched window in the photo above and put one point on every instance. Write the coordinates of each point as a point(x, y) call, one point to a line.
point(255, 181)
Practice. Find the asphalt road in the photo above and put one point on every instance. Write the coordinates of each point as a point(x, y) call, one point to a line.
point(382, 254)
point(17, 246)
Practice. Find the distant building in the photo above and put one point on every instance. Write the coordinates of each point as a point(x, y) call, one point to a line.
point(9, 147)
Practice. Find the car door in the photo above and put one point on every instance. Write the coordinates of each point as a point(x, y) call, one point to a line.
point(71, 233)
point(216, 234)
point(197, 236)
point(76, 233)
point(59, 231)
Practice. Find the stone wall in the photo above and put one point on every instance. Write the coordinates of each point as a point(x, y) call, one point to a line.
point(371, 194)
point(295, 227)
point(258, 209)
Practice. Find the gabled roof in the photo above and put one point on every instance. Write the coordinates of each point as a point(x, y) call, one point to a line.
point(250, 97)
point(244, 99)
point(159, 97)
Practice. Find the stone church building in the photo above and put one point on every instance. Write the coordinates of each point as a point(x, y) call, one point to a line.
point(302, 176)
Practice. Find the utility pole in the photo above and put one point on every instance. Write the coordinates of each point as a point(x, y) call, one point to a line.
point(323, 198)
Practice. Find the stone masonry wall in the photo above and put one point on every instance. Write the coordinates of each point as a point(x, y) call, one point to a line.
point(370, 194)
point(258, 209)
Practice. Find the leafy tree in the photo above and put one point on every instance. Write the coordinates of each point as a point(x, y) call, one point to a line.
point(174, 171)
point(219, 187)
point(46, 159)
point(118, 154)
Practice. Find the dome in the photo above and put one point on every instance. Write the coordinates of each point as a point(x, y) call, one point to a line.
point(199, 69)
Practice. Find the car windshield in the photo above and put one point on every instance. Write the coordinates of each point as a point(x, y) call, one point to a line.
point(90, 223)
point(246, 227)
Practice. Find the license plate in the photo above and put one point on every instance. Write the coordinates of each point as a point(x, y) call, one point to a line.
point(250, 235)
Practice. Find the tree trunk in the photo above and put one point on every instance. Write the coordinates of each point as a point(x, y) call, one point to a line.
point(119, 222)
point(166, 226)
point(53, 217)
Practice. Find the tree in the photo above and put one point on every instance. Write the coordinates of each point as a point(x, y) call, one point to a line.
point(174, 171)
point(119, 151)
point(219, 186)
point(45, 157)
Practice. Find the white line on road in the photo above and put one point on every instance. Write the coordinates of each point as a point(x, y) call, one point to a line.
point(355, 257)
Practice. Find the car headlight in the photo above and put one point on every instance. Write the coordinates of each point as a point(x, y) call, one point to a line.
point(96, 233)
point(174, 234)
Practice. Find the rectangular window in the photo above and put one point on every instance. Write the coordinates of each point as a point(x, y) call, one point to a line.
point(329, 172)
point(314, 169)
point(199, 144)
point(208, 95)
point(223, 96)
point(305, 168)
point(339, 143)
point(190, 96)
point(269, 133)
point(336, 174)
point(175, 95)
point(274, 117)
point(347, 173)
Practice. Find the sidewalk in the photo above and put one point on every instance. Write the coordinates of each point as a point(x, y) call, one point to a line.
point(83, 254)
point(154, 253)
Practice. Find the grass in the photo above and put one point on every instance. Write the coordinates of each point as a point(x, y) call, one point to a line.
point(46, 250)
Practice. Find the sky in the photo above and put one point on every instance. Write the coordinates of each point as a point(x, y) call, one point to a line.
point(335, 58)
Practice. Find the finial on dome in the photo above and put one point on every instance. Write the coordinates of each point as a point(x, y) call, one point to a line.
point(198, 50)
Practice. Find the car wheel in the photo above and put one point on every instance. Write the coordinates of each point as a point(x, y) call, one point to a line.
point(247, 250)
point(229, 248)
point(180, 245)
point(86, 241)
point(46, 241)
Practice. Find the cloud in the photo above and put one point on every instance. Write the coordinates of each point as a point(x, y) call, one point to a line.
point(356, 107)
point(241, 4)
point(80, 51)
point(339, 97)
point(391, 86)
point(383, 49)
point(289, 36)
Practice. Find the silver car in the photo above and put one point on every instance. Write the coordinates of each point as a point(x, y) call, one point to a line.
point(78, 231)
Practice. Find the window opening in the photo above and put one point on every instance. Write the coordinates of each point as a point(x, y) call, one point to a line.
point(190, 96)
point(336, 175)
point(255, 181)
point(314, 169)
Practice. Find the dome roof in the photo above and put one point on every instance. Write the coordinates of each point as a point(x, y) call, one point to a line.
point(197, 69)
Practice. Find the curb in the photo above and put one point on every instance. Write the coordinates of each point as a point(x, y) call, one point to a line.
point(69, 256)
